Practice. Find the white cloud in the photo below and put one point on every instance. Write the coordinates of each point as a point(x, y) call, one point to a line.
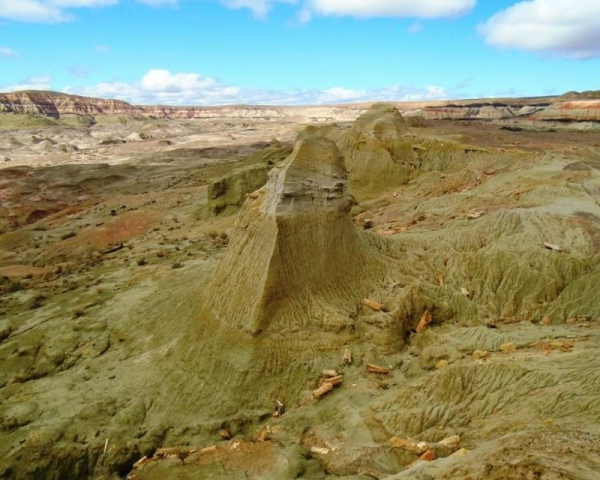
point(159, 3)
point(8, 52)
point(416, 27)
point(80, 71)
point(568, 29)
point(161, 87)
point(260, 8)
point(54, 11)
point(31, 83)
point(392, 8)
point(30, 11)
point(362, 8)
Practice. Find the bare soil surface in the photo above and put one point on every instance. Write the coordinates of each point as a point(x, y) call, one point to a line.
point(166, 284)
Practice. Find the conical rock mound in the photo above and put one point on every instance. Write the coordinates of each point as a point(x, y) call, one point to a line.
point(378, 155)
point(296, 260)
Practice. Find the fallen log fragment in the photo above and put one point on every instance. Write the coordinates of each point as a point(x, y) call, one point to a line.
point(319, 450)
point(140, 462)
point(480, 355)
point(460, 452)
point(322, 390)
point(373, 305)
point(165, 452)
point(279, 409)
point(452, 441)
point(428, 456)
point(426, 319)
point(330, 373)
point(113, 249)
point(475, 215)
point(552, 246)
point(347, 357)
point(378, 370)
point(508, 347)
point(332, 380)
point(409, 445)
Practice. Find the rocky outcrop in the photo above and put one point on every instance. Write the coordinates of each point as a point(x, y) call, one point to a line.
point(576, 111)
point(53, 104)
point(229, 192)
point(296, 261)
point(378, 156)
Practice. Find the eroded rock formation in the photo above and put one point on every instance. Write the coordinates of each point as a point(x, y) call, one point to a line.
point(296, 259)
point(378, 156)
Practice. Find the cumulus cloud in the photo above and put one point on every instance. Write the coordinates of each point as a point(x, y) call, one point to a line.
point(260, 8)
point(8, 52)
point(159, 3)
point(392, 8)
point(55, 11)
point(162, 87)
point(31, 83)
point(568, 29)
point(362, 8)
point(80, 71)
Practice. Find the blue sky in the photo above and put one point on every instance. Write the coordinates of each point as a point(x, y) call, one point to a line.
point(299, 51)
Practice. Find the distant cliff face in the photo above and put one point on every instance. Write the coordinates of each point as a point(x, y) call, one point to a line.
point(55, 104)
point(567, 108)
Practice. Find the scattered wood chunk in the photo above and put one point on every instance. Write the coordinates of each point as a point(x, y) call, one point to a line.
point(113, 249)
point(441, 364)
point(225, 435)
point(330, 373)
point(428, 456)
point(279, 408)
point(264, 435)
point(508, 347)
point(165, 452)
point(479, 355)
point(546, 321)
point(409, 445)
point(475, 215)
point(378, 370)
point(319, 450)
point(322, 390)
point(452, 441)
point(460, 452)
point(465, 292)
point(441, 280)
point(552, 246)
point(140, 462)
point(347, 357)
point(425, 321)
point(373, 305)
point(210, 449)
point(335, 381)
